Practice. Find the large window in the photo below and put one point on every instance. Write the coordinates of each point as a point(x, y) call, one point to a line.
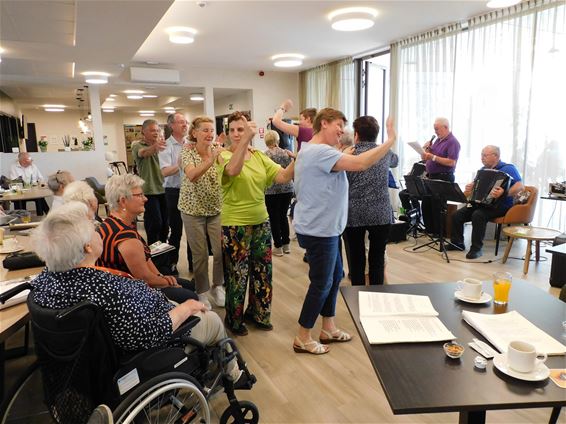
point(500, 81)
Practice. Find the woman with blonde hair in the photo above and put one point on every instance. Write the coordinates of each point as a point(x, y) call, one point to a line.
point(200, 202)
point(278, 196)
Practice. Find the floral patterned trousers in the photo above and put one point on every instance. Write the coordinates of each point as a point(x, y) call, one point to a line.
point(247, 254)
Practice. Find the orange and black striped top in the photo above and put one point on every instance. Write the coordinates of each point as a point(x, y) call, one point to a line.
point(114, 231)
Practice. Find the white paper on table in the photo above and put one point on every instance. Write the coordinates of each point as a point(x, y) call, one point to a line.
point(380, 304)
point(399, 329)
point(416, 146)
point(501, 329)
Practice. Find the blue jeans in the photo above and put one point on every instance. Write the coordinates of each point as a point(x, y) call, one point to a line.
point(325, 274)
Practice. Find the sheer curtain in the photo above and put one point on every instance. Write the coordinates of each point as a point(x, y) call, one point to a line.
point(330, 85)
point(500, 82)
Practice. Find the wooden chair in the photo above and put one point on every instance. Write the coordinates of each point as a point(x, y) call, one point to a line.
point(517, 214)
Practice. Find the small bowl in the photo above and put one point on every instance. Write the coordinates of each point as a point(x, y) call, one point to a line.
point(453, 350)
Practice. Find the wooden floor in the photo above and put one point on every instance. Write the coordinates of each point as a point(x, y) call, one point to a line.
point(341, 387)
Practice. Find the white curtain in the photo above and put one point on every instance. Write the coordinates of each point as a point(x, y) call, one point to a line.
point(501, 82)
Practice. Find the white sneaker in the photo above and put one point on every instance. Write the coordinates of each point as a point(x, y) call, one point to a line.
point(203, 298)
point(286, 248)
point(277, 251)
point(218, 295)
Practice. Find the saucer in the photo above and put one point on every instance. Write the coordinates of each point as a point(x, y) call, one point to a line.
point(4, 250)
point(540, 373)
point(484, 298)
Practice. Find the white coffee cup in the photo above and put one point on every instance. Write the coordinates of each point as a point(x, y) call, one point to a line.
point(523, 357)
point(470, 288)
point(10, 243)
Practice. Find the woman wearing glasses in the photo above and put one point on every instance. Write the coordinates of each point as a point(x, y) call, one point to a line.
point(124, 249)
point(200, 202)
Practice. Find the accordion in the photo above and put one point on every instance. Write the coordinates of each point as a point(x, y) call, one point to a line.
point(486, 180)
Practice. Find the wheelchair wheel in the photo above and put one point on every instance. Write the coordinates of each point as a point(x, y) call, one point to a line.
point(248, 410)
point(168, 398)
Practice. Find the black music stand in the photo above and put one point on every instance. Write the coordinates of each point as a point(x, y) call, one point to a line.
point(416, 189)
point(442, 192)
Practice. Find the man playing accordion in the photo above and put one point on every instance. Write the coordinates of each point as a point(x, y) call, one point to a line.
point(479, 213)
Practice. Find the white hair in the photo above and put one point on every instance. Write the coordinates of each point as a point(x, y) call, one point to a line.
point(119, 186)
point(347, 138)
point(79, 191)
point(442, 121)
point(61, 237)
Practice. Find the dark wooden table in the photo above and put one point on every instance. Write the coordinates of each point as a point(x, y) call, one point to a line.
point(419, 378)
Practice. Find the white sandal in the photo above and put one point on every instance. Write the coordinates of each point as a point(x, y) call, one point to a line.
point(313, 347)
point(337, 336)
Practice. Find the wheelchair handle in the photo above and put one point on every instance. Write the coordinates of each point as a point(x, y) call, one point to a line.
point(14, 291)
point(85, 304)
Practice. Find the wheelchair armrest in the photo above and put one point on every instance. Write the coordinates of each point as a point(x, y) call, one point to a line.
point(4, 297)
point(185, 327)
point(85, 304)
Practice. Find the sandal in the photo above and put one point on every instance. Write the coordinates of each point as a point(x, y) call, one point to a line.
point(337, 336)
point(313, 347)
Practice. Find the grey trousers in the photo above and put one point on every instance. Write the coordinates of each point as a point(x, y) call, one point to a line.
point(196, 228)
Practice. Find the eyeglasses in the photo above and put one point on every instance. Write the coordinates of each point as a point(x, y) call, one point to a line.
point(484, 155)
point(140, 195)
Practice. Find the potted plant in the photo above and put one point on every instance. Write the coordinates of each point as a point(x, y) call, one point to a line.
point(42, 143)
point(88, 143)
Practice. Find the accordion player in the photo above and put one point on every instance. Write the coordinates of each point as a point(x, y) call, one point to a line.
point(486, 180)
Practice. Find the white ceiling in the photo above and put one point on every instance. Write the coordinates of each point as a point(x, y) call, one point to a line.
point(48, 43)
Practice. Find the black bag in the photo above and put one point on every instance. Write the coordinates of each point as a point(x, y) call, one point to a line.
point(22, 260)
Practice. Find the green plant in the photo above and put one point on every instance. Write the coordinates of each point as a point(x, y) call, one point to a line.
point(88, 143)
point(43, 142)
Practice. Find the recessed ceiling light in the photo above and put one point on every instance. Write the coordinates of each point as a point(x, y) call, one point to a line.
point(147, 114)
point(181, 35)
point(287, 60)
point(147, 111)
point(498, 4)
point(54, 109)
point(112, 95)
point(110, 99)
point(55, 106)
point(134, 96)
point(353, 18)
point(133, 91)
point(96, 77)
point(169, 108)
point(196, 97)
point(150, 96)
point(108, 110)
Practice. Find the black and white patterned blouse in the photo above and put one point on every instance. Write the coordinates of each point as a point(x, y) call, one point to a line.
point(279, 155)
point(368, 196)
point(136, 315)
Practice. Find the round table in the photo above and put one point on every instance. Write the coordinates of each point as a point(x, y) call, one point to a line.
point(530, 234)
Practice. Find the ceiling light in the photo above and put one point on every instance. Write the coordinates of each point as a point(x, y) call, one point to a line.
point(150, 96)
point(54, 109)
point(181, 35)
point(110, 99)
point(134, 96)
point(108, 110)
point(147, 114)
point(112, 95)
point(196, 97)
point(287, 60)
point(497, 4)
point(147, 111)
point(96, 77)
point(169, 108)
point(55, 106)
point(353, 18)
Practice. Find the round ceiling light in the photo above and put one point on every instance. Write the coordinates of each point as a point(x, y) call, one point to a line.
point(196, 97)
point(96, 77)
point(498, 4)
point(287, 60)
point(353, 18)
point(181, 35)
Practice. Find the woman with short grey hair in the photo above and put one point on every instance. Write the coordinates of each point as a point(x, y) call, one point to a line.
point(57, 183)
point(137, 316)
point(80, 191)
point(125, 249)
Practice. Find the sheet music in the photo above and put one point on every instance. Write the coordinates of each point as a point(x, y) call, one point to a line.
point(416, 146)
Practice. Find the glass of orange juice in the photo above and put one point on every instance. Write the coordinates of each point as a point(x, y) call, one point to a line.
point(26, 217)
point(501, 287)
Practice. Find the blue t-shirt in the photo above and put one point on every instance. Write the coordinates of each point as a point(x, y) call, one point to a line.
point(513, 172)
point(322, 194)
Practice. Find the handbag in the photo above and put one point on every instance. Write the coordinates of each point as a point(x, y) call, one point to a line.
point(22, 260)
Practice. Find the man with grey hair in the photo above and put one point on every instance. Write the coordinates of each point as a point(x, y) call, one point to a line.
point(25, 170)
point(145, 154)
point(169, 162)
point(479, 214)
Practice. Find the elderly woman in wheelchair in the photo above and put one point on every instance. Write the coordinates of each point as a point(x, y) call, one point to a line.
point(148, 336)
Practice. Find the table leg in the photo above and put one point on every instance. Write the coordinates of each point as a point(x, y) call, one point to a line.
point(537, 250)
point(2, 369)
point(554, 415)
point(507, 249)
point(471, 417)
point(527, 258)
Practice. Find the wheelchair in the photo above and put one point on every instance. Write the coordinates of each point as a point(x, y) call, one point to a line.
point(82, 368)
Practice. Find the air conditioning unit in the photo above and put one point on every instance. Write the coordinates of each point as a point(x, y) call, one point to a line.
point(155, 75)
